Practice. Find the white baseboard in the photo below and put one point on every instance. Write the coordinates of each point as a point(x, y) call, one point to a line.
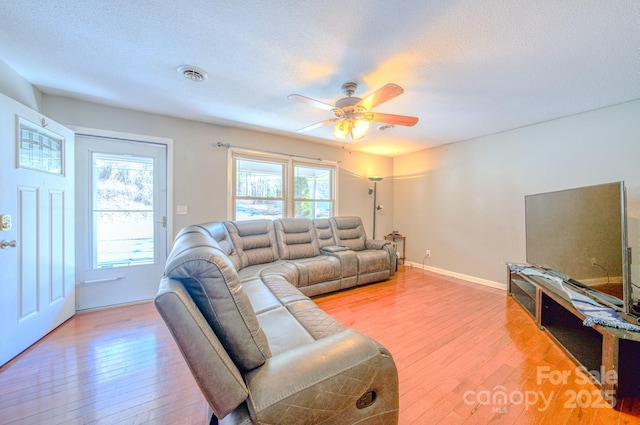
point(472, 279)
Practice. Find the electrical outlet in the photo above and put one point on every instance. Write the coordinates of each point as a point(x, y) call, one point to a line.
point(427, 253)
point(593, 261)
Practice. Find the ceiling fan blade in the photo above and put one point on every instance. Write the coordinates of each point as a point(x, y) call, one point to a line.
point(311, 102)
point(316, 125)
point(387, 92)
point(393, 119)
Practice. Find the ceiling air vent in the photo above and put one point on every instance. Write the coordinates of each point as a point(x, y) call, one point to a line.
point(193, 73)
point(385, 127)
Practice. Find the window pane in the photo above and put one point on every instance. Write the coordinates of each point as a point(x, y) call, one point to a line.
point(249, 209)
point(272, 187)
point(39, 149)
point(312, 183)
point(123, 238)
point(259, 179)
point(123, 218)
point(313, 209)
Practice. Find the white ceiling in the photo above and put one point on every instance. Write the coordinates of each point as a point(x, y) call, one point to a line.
point(469, 67)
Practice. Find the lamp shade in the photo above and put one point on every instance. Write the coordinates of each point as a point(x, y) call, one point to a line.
point(341, 129)
point(359, 129)
point(356, 128)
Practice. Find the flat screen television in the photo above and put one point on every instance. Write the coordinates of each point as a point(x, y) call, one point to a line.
point(582, 232)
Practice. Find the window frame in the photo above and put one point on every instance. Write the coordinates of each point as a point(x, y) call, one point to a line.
point(332, 186)
point(288, 179)
point(235, 157)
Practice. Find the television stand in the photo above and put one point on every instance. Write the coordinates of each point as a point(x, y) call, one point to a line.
point(610, 355)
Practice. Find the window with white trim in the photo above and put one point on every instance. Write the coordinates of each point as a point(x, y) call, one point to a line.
point(312, 190)
point(274, 186)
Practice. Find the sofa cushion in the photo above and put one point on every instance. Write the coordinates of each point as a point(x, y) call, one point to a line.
point(322, 268)
point(211, 280)
point(296, 238)
point(349, 231)
point(324, 233)
point(254, 240)
point(298, 244)
point(373, 260)
point(283, 330)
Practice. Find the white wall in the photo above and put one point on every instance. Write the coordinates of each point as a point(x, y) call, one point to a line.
point(467, 199)
point(200, 170)
point(464, 201)
point(16, 87)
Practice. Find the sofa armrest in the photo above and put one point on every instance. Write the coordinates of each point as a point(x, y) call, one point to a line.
point(334, 248)
point(347, 257)
point(375, 244)
point(322, 381)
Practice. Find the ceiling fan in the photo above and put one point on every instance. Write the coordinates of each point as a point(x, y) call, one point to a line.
point(353, 114)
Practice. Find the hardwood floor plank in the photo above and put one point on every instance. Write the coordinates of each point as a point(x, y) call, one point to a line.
point(466, 354)
point(503, 348)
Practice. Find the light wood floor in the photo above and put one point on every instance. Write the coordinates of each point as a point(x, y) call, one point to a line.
point(466, 354)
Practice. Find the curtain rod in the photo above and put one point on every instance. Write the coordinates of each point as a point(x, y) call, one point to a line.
point(229, 145)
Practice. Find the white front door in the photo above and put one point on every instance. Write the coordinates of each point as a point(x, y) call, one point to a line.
point(37, 285)
point(121, 220)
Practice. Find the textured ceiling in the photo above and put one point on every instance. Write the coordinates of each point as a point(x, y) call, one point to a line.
point(469, 67)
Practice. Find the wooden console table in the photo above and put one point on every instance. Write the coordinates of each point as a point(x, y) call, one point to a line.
point(610, 355)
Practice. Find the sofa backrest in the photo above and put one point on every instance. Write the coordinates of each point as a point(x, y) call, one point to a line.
point(296, 238)
point(254, 241)
point(349, 231)
point(211, 280)
point(218, 231)
point(189, 237)
point(324, 232)
point(208, 359)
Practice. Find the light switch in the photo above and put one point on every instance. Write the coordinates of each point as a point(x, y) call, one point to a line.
point(182, 209)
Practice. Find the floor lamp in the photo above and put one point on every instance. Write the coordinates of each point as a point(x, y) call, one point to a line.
point(376, 207)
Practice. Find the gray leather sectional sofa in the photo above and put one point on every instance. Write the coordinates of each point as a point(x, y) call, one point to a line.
point(235, 297)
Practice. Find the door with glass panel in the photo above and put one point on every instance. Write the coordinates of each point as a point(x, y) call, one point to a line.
point(36, 227)
point(121, 220)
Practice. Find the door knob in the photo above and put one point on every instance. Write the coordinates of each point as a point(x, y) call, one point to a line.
point(8, 244)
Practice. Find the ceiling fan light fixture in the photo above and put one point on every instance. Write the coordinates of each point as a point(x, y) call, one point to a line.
point(354, 128)
point(360, 128)
point(353, 115)
point(341, 129)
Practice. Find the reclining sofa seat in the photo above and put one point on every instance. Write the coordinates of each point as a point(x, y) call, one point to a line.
point(260, 350)
point(318, 273)
point(374, 257)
